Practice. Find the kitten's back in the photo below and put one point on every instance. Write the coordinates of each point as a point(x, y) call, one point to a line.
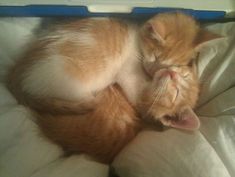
point(69, 63)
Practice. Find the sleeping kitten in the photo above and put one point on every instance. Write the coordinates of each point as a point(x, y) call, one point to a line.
point(114, 122)
point(69, 72)
point(171, 97)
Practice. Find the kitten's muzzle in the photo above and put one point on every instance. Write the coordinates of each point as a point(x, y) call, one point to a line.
point(170, 73)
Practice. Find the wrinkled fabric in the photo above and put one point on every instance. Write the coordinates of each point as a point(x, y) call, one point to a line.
point(210, 152)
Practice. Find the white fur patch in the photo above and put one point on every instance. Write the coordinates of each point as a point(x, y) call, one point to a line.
point(132, 77)
point(48, 78)
point(104, 76)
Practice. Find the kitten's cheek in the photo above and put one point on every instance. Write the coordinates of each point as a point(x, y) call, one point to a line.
point(168, 103)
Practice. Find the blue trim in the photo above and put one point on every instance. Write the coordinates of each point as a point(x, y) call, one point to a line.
point(198, 14)
point(63, 10)
point(43, 10)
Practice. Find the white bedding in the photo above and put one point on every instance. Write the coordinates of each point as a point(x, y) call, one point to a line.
point(209, 152)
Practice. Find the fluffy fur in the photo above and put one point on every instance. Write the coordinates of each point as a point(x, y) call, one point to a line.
point(101, 133)
point(66, 76)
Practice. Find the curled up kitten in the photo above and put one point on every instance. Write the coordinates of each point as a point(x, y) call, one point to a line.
point(68, 78)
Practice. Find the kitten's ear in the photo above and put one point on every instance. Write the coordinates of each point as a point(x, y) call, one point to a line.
point(156, 31)
point(187, 120)
point(203, 37)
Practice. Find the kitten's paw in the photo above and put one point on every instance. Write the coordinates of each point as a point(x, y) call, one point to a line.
point(159, 74)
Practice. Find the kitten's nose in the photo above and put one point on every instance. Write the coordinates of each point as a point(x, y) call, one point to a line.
point(170, 73)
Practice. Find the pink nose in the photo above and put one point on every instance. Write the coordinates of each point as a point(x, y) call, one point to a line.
point(170, 73)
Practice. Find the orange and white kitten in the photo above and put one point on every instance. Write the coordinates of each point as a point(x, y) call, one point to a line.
point(66, 76)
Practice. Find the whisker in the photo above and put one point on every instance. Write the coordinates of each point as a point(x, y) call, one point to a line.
point(157, 93)
point(176, 95)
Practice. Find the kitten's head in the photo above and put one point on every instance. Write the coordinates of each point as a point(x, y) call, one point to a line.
point(169, 44)
point(172, 97)
point(172, 39)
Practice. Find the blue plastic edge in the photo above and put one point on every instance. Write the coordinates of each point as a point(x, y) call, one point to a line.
point(63, 10)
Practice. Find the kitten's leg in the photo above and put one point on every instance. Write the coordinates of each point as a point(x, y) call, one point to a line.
point(133, 81)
